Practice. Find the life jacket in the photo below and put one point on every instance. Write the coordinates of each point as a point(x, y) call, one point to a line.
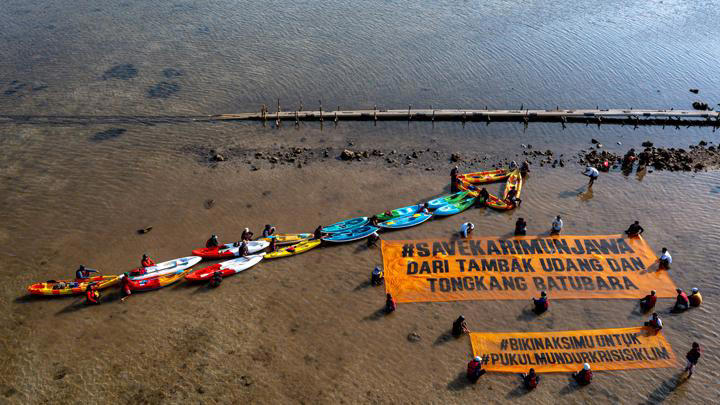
point(147, 262)
point(138, 272)
point(531, 381)
point(472, 368)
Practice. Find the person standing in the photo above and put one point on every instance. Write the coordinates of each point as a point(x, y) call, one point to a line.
point(520, 227)
point(454, 179)
point(390, 304)
point(593, 173)
point(692, 358)
point(556, 226)
point(269, 230)
point(373, 239)
point(541, 304)
point(125, 289)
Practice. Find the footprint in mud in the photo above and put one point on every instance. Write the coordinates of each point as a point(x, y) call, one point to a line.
point(163, 90)
point(107, 134)
point(124, 72)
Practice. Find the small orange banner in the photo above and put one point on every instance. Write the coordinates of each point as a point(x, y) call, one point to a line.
point(496, 268)
point(603, 349)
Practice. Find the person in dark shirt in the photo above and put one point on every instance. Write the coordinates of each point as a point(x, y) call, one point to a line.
point(520, 227)
point(531, 380)
point(83, 272)
point(246, 235)
point(212, 242)
point(584, 376)
point(377, 276)
point(454, 180)
point(459, 327)
point(635, 230)
point(216, 280)
point(390, 304)
point(269, 230)
point(541, 304)
point(648, 302)
point(692, 358)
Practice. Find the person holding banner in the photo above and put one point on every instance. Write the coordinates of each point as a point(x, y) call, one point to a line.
point(377, 276)
point(474, 370)
point(520, 227)
point(665, 259)
point(648, 302)
point(655, 322)
point(584, 376)
point(682, 302)
point(634, 230)
point(692, 358)
point(531, 380)
point(390, 304)
point(459, 327)
point(541, 304)
point(695, 298)
point(556, 226)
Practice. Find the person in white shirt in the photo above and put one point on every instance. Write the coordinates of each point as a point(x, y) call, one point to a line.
point(593, 173)
point(655, 322)
point(665, 259)
point(557, 226)
point(466, 229)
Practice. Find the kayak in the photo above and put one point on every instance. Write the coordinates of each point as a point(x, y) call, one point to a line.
point(496, 203)
point(513, 181)
point(399, 212)
point(487, 176)
point(406, 221)
point(71, 287)
point(157, 281)
point(227, 268)
point(345, 225)
point(351, 235)
point(229, 250)
point(294, 249)
point(169, 267)
point(288, 238)
point(456, 207)
point(448, 199)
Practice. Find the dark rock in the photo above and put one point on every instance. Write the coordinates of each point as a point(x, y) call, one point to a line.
point(123, 72)
point(702, 143)
point(200, 390)
point(209, 204)
point(699, 166)
point(172, 72)
point(347, 154)
point(218, 158)
point(145, 230)
point(326, 154)
point(700, 105)
point(413, 337)
point(647, 144)
point(273, 159)
point(163, 90)
point(696, 91)
point(593, 140)
point(455, 157)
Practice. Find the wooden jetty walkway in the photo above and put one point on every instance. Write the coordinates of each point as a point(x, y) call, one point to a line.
point(630, 116)
point(587, 116)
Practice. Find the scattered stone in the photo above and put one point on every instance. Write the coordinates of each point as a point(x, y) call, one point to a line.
point(702, 143)
point(123, 72)
point(413, 337)
point(696, 91)
point(172, 72)
point(218, 158)
point(209, 204)
point(145, 230)
point(347, 155)
point(455, 157)
point(107, 134)
point(647, 144)
point(246, 380)
point(619, 143)
point(700, 105)
point(273, 159)
point(593, 140)
point(200, 390)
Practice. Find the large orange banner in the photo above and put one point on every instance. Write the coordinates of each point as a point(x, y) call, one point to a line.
point(603, 349)
point(496, 268)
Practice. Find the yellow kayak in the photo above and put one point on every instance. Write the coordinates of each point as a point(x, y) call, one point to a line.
point(513, 181)
point(288, 238)
point(294, 249)
point(487, 176)
point(71, 287)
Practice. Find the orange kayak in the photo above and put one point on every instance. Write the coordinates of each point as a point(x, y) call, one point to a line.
point(71, 287)
point(498, 204)
point(514, 180)
point(487, 176)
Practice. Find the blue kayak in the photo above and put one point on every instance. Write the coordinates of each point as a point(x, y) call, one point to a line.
point(353, 234)
point(346, 225)
point(406, 221)
point(445, 200)
point(456, 207)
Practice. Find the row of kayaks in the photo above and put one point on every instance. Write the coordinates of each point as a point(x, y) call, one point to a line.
point(169, 272)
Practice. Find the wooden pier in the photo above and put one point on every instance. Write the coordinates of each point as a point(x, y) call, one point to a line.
point(670, 117)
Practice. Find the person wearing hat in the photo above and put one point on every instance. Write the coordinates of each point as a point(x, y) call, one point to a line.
point(83, 272)
point(557, 226)
point(655, 323)
point(531, 380)
point(377, 276)
point(466, 229)
point(695, 298)
point(269, 230)
point(459, 327)
point(692, 358)
point(584, 376)
point(682, 302)
point(474, 369)
point(212, 242)
point(146, 261)
point(665, 259)
point(390, 304)
point(246, 235)
point(648, 302)
point(541, 304)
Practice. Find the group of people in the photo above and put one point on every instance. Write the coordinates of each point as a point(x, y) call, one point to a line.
point(483, 195)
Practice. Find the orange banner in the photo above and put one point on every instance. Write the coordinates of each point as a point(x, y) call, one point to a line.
point(496, 268)
point(603, 349)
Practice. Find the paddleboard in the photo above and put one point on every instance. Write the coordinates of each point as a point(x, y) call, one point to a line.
point(227, 268)
point(346, 225)
point(71, 287)
point(229, 250)
point(406, 221)
point(294, 249)
point(448, 199)
point(169, 267)
point(455, 208)
point(399, 212)
point(351, 235)
point(288, 238)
